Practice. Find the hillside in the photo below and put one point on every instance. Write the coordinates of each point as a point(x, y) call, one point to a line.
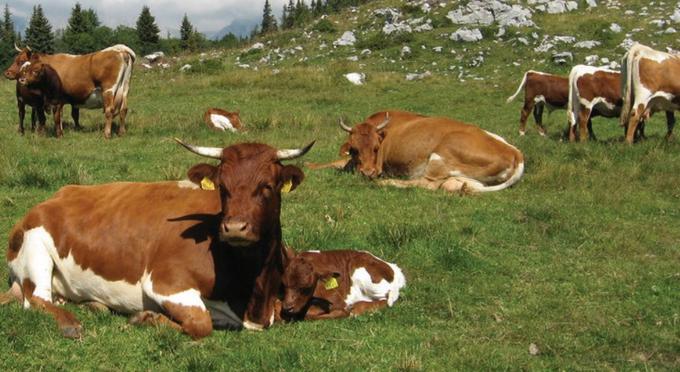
point(575, 267)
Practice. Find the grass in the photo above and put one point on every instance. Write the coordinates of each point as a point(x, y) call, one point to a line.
point(580, 258)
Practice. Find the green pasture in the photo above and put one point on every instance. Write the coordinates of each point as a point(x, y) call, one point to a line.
point(581, 258)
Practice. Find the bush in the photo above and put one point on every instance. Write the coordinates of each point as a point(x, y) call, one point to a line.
point(325, 26)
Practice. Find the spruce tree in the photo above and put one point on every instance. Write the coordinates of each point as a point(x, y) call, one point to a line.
point(39, 32)
point(268, 19)
point(7, 34)
point(290, 15)
point(185, 31)
point(76, 23)
point(91, 19)
point(147, 30)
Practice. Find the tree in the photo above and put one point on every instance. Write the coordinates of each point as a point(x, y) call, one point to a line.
point(268, 19)
point(289, 11)
point(185, 31)
point(39, 32)
point(7, 33)
point(147, 30)
point(91, 19)
point(78, 37)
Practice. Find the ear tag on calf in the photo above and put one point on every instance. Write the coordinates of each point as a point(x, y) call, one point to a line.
point(331, 283)
point(207, 184)
point(287, 186)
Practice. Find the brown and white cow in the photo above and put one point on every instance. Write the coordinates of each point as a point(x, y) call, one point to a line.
point(593, 91)
point(649, 83)
point(95, 80)
point(146, 248)
point(380, 121)
point(44, 79)
point(436, 153)
point(541, 90)
point(223, 120)
point(337, 284)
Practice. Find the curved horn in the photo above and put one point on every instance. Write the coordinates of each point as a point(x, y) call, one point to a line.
point(209, 152)
point(293, 153)
point(344, 127)
point(384, 123)
point(29, 48)
point(17, 48)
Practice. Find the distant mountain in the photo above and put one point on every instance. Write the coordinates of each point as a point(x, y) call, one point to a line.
point(239, 27)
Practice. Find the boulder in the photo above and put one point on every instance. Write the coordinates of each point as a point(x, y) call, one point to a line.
point(464, 34)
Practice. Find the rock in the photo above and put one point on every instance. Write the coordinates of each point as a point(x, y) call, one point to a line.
point(356, 78)
point(185, 68)
point(562, 58)
point(592, 59)
point(533, 349)
point(366, 52)
point(589, 44)
point(464, 34)
point(614, 65)
point(438, 49)
point(353, 58)
point(591, 3)
point(154, 57)
point(615, 28)
point(146, 66)
point(391, 15)
point(401, 27)
point(523, 40)
point(670, 30)
point(675, 17)
point(347, 39)
point(411, 77)
point(165, 65)
point(565, 39)
point(425, 27)
point(484, 13)
point(405, 51)
point(658, 22)
point(554, 6)
point(256, 46)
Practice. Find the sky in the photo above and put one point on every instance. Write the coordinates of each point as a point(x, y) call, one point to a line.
point(209, 16)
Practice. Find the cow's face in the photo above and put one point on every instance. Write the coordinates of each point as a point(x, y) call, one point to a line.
point(299, 281)
point(235, 118)
point(363, 146)
point(31, 73)
point(20, 60)
point(250, 179)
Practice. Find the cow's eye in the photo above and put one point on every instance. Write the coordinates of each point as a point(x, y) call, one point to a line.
point(353, 151)
point(224, 193)
point(307, 291)
point(266, 190)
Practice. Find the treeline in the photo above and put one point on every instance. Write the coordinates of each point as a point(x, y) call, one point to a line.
point(84, 33)
point(298, 13)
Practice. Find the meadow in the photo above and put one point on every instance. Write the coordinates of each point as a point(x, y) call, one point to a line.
point(580, 258)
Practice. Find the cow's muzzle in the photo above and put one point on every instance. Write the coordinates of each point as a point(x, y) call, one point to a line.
point(238, 233)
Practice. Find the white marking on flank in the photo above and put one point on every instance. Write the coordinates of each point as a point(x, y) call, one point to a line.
point(435, 157)
point(221, 122)
point(189, 298)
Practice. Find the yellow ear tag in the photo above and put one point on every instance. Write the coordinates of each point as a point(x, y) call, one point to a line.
point(287, 186)
point(331, 283)
point(207, 184)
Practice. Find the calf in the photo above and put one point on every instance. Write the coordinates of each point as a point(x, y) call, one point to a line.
point(541, 90)
point(338, 284)
point(44, 87)
point(34, 99)
point(223, 120)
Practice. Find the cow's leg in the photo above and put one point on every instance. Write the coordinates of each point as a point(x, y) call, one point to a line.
point(14, 293)
point(582, 120)
point(22, 113)
point(337, 164)
point(591, 134)
point(68, 324)
point(58, 125)
point(42, 120)
point(418, 182)
point(633, 122)
point(365, 306)
point(670, 123)
point(121, 115)
point(108, 112)
point(524, 114)
point(34, 118)
point(75, 114)
point(538, 118)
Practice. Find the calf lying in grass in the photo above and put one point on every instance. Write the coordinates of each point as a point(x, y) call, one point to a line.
point(338, 284)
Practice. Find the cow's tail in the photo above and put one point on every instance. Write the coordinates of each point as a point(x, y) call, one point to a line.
point(123, 85)
point(627, 70)
point(516, 176)
point(521, 85)
point(574, 105)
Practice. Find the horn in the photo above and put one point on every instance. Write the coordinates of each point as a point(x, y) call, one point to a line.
point(29, 48)
point(210, 152)
point(17, 48)
point(293, 153)
point(344, 127)
point(384, 123)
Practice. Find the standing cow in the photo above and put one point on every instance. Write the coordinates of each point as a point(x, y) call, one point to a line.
point(649, 83)
point(95, 80)
point(163, 247)
point(541, 90)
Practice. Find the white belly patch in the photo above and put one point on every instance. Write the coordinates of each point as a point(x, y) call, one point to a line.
point(222, 122)
point(94, 101)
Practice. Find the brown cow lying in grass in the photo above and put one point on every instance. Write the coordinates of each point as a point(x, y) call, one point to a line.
point(223, 120)
point(338, 284)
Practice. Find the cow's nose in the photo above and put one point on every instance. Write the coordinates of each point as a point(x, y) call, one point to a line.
point(370, 173)
point(235, 226)
point(238, 233)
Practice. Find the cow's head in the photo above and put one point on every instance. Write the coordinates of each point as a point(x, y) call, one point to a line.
point(363, 146)
point(32, 72)
point(299, 282)
point(20, 60)
point(250, 179)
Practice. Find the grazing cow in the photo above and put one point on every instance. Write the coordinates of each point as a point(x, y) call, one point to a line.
point(380, 121)
point(163, 247)
point(337, 284)
point(96, 80)
point(650, 84)
point(541, 90)
point(41, 78)
point(223, 120)
point(593, 92)
point(436, 152)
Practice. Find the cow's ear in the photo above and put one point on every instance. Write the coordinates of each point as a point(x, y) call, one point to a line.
point(200, 171)
point(344, 149)
point(291, 177)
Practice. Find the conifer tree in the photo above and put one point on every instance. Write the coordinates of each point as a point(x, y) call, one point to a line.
point(268, 19)
point(185, 32)
point(39, 32)
point(7, 33)
point(91, 19)
point(147, 30)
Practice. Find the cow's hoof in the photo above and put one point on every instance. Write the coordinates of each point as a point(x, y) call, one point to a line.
point(122, 131)
point(522, 133)
point(142, 317)
point(72, 331)
point(252, 326)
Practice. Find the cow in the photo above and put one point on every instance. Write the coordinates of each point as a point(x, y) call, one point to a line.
point(541, 90)
point(168, 252)
point(649, 84)
point(223, 120)
point(380, 121)
point(593, 91)
point(34, 99)
point(95, 80)
point(43, 81)
point(436, 153)
point(338, 284)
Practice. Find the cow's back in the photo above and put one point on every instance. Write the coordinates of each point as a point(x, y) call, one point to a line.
point(81, 74)
point(553, 88)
